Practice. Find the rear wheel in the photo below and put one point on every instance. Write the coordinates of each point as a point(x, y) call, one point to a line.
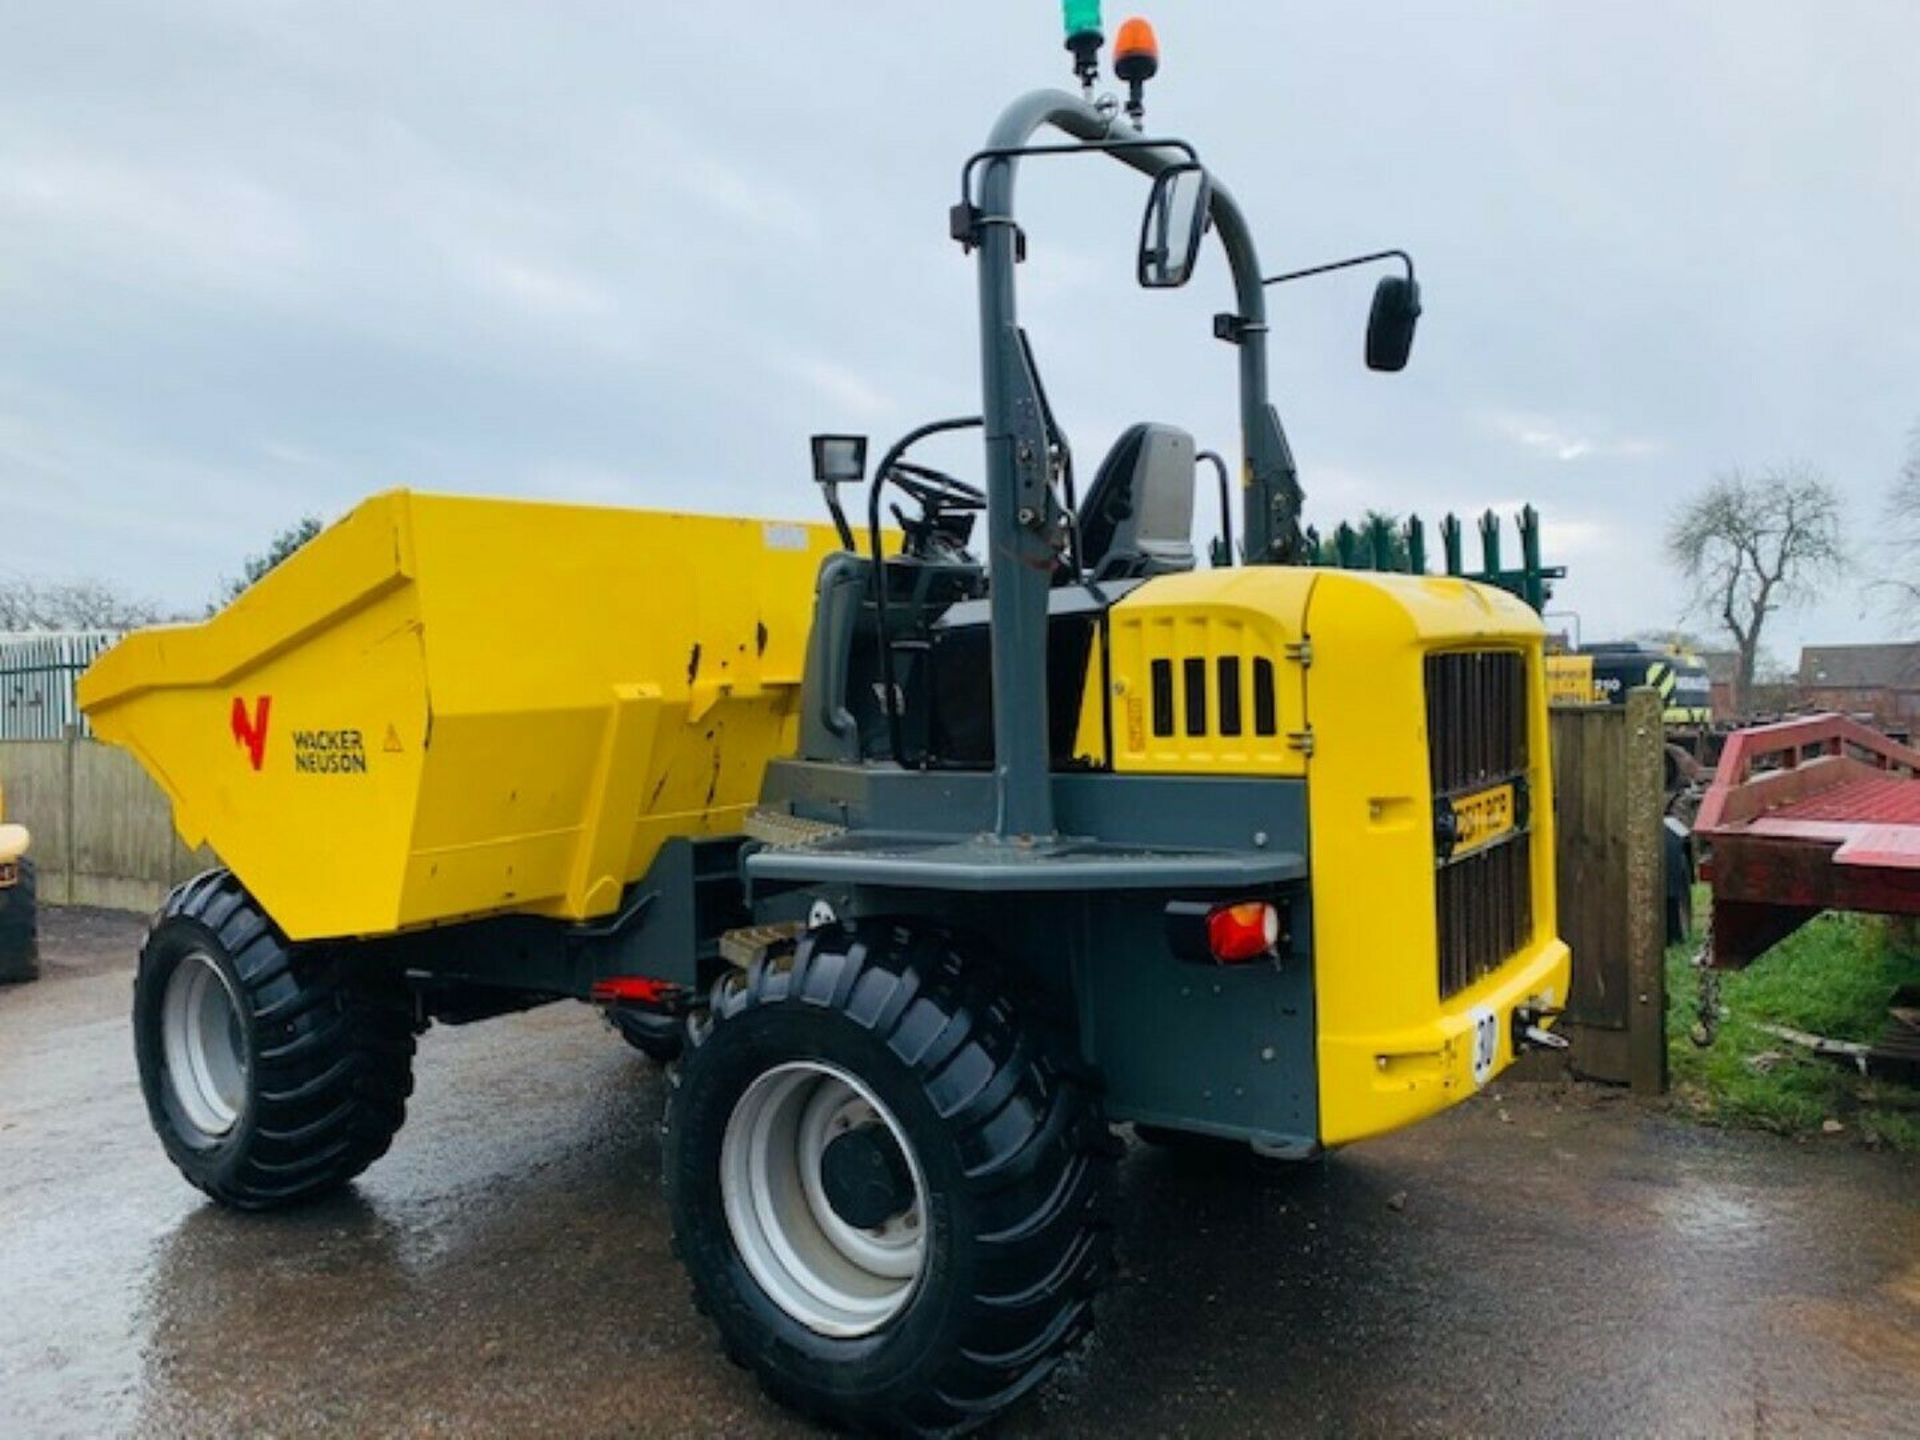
point(887, 1182)
point(272, 1072)
point(19, 928)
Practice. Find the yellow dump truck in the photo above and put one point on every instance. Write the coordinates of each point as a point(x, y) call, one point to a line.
point(928, 854)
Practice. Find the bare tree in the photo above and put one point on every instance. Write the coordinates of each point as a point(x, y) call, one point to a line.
point(1754, 545)
point(29, 604)
point(1902, 532)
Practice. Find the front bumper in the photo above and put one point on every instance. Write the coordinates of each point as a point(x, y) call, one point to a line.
point(1379, 1081)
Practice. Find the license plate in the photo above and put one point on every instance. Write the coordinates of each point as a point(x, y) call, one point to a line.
point(1482, 818)
point(9, 874)
point(1486, 1044)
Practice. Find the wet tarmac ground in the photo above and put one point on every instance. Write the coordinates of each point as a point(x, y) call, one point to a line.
point(1545, 1262)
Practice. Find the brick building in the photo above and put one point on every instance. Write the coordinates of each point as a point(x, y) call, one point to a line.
point(1880, 681)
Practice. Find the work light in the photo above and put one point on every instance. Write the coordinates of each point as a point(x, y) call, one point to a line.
point(839, 459)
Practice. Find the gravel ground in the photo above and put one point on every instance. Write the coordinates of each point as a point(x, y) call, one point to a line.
point(1540, 1261)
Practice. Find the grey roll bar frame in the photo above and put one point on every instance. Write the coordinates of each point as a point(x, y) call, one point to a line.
point(1022, 516)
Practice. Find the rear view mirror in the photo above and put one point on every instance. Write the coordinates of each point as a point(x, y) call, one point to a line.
point(1396, 310)
point(1173, 227)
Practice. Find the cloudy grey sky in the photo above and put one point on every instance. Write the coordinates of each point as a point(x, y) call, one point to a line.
point(260, 257)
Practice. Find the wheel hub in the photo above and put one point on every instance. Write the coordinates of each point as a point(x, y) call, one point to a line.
point(824, 1198)
point(865, 1176)
point(203, 1040)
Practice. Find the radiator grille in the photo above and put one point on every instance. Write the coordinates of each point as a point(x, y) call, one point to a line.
point(1477, 737)
point(1476, 719)
point(1486, 911)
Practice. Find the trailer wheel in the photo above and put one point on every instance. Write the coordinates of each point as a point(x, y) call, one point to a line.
point(272, 1072)
point(19, 928)
point(888, 1184)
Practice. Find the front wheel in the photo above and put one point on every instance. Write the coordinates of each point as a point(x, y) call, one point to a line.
point(272, 1072)
point(888, 1184)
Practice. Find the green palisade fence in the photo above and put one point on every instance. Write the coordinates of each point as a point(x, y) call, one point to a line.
point(1402, 550)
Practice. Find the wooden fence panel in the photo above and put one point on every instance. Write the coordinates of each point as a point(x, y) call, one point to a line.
point(102, 831)
point(1608, 781)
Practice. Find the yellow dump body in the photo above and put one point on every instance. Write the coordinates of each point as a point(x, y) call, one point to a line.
point(446, 707)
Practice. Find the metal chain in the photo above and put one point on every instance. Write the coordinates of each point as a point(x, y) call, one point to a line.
point(1706, 1018)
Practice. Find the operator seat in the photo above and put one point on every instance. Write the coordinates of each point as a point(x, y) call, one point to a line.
point(1138, 517)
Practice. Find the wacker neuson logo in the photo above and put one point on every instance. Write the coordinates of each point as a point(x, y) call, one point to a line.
point(249, 727)
point(329, 752)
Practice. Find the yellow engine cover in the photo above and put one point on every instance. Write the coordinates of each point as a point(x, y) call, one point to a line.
point(1326, 671)
point(446, 707)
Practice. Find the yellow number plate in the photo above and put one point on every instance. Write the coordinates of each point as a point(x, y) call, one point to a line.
point(1482, 818)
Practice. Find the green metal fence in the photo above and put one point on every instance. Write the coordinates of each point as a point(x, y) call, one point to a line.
point(38, 673)
point(1402, 549)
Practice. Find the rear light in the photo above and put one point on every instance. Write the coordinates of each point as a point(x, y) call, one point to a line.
point(634, 990)
point(1207, 932)
point(1247, 931)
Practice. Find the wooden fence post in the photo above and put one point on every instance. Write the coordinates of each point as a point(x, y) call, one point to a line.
point(1646, 897)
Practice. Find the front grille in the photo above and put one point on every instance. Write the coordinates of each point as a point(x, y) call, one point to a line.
point(1486, 911)
point(1476, 719)
point(1476, 738)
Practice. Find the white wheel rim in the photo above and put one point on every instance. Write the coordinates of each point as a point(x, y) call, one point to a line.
point(205, 1045)
point(831, 1276)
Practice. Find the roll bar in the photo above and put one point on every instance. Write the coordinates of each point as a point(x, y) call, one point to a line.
point(1023, 519)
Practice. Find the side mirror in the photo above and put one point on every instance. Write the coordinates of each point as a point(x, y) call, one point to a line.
point(839, 459)
point(1178, 210)
point(1396, 310)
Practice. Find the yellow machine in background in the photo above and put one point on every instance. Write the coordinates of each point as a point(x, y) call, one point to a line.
point(1603, 674)
point(19, 918)
point(1570, 680)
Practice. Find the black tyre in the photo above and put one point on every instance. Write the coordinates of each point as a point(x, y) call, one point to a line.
point(273, 1072)
point(927, 1154)
point(660, 1038)
point(1679, 879)
point(19, 928)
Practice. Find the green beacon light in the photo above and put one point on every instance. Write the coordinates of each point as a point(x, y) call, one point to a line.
point(1084, 39)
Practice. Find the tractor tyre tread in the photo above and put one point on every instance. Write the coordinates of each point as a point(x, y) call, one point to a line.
point(330, 1039)
point(1035, 1160)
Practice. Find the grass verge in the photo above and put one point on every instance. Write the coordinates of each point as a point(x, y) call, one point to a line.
point(1832, 978)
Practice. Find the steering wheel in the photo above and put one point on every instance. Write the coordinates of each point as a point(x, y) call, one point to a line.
point(935, 490)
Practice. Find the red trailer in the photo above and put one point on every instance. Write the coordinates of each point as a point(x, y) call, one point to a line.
point(1821, 813)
